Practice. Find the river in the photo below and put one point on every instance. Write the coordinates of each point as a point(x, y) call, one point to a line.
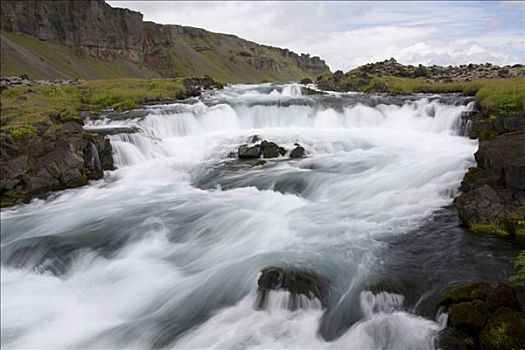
point(166, 250)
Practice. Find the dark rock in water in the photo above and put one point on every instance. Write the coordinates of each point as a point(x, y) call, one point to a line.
point(306, 81)
point(504, 331)
point(232, 155)
point(247, 152)
point(297, 282)
point(282, 151)
point(259, 163)
point(486, 315)
point(55, 157)
point(451, 339)
point(493, 198)
point(297, 152)
point(254, 139)
point(112, 130)
point(469, 316)
point(269, 149)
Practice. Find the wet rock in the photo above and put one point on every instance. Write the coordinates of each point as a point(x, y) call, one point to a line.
point(112, 130)
point(306, 81)
point(482, 313)
point(493, 197)
point(55, 157)
point(451, 339)
point(298, 282)
point(247, 152)
point(469, 316)
point(502, 295)
point(269, 149)
point(465, 292)
point(254, 139)
point(504, 331)
point(297, 152)
point(282, 151)
point(259, 163)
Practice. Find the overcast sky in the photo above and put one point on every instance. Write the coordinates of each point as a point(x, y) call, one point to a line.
point(348, 34)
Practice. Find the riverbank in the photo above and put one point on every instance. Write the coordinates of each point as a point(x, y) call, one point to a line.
point(43, 145)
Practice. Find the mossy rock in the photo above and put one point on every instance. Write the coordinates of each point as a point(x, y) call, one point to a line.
point(504, 331)
point(487, 135)
point(469, 317)
point(502, 295)
point(466, 292)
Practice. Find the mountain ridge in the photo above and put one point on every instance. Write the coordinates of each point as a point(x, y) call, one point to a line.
point(120, 37)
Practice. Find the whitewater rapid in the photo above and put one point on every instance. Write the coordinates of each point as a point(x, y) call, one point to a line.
point(166, 250)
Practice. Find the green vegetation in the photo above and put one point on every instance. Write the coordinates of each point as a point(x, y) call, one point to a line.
point(497, 97)
point(22, 54)
point(223, 57)
point(24, 108)
point(519, 264)
point(486, 228)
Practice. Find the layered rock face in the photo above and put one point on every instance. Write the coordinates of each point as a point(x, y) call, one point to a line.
point(493, 198)
point(94, 27)
point(58, 156)
point(108, 33)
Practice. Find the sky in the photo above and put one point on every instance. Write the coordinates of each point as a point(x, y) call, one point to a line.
point(349, 34)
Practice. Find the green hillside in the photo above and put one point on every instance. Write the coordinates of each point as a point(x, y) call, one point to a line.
point(223, 57)
point(47, 60)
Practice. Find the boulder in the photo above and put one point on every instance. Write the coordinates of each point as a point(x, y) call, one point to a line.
point(306, 81)
point(504, 331)
point(247, 152)
point(469, 317)
point(254, 139)
point(269, 149)
point(298, 282)
point(297, 152)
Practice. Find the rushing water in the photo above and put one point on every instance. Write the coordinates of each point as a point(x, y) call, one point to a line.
point(166, 250)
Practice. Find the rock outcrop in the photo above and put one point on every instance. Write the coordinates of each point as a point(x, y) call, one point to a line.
point(54, 157)
point(484, 315)
point(364, 78)
point(493, 193)
point(91, 26)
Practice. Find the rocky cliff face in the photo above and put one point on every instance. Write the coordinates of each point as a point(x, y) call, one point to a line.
point(92, 26)
point(57, 157)
point(107, 33)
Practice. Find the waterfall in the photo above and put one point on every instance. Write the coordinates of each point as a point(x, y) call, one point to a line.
point(166, 250)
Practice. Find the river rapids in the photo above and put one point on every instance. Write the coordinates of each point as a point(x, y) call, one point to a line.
point(166, 250)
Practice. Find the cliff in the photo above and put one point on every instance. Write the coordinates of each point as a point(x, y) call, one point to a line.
point(90, 39)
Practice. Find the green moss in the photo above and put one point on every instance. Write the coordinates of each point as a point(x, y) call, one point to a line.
point(487, 135)
point(488, 228)
point(125, 105)
point(519, 264)
point(22, 132)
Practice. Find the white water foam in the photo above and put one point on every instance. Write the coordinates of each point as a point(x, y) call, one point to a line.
point(371, 173)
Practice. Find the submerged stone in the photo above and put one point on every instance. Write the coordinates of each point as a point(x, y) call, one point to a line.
point(297, 282)
point(247, 152)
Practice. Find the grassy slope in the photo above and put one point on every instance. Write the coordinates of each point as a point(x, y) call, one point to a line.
point(47, 60)
point(216, 55)
point(23, 108)
point(222, 60)
point(501, 97)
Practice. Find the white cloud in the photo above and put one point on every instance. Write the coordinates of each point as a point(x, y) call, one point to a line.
point(347, 34)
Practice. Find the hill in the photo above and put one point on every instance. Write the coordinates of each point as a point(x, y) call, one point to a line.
point(92, 40)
